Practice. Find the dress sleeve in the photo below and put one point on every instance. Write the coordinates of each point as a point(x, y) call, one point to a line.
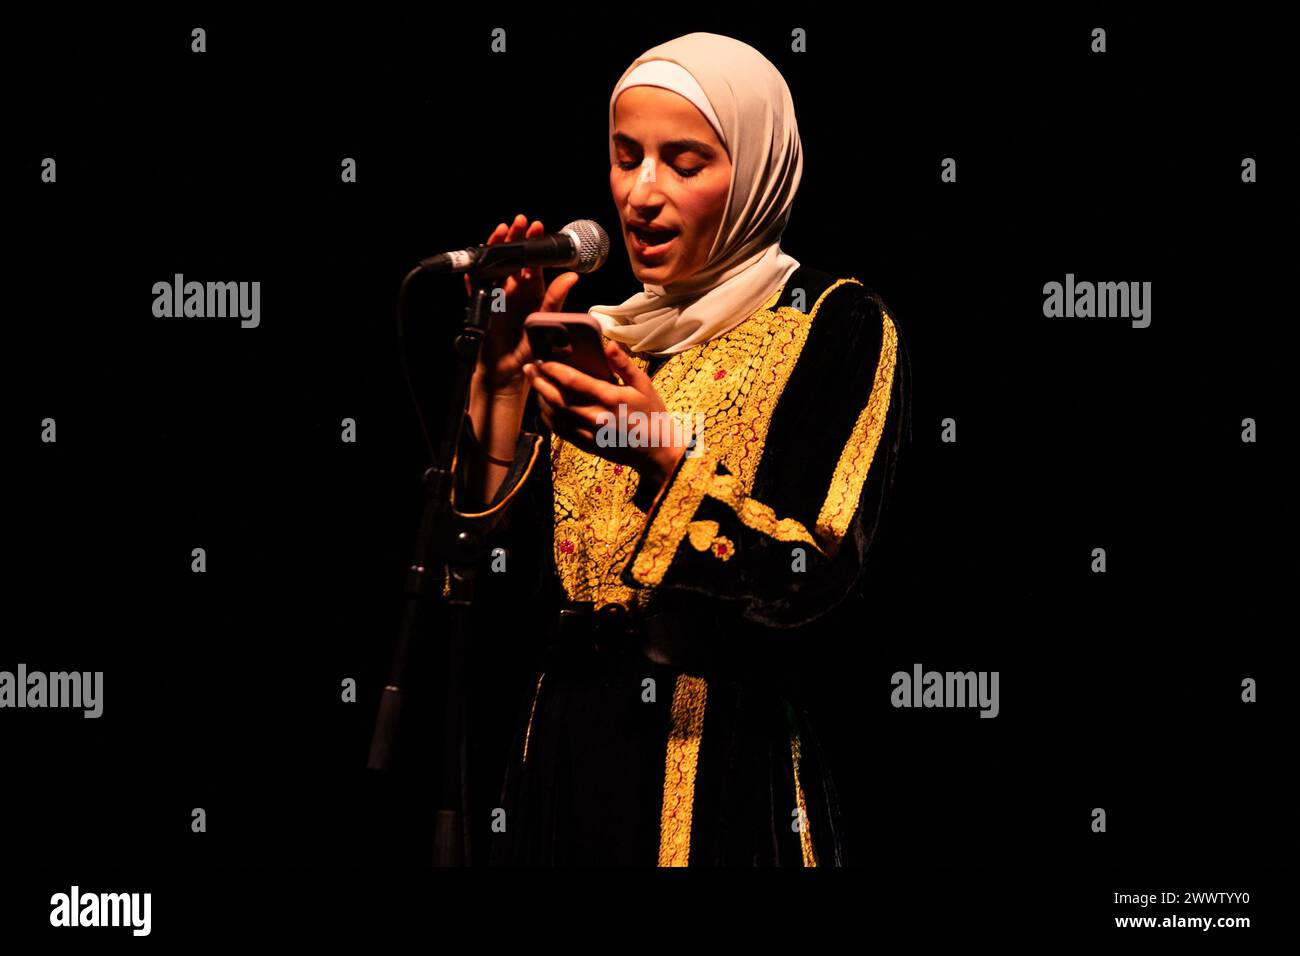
point(516, 520)
point(485, 515)
point(791, 547)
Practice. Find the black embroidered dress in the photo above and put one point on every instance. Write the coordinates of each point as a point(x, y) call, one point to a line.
point(669, 727)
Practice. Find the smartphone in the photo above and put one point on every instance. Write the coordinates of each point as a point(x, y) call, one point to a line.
point(573, 338)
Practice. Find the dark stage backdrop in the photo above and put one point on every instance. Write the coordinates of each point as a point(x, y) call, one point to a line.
point(1120, 690)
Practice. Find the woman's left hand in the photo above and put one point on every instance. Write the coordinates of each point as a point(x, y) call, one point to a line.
point(575, 405)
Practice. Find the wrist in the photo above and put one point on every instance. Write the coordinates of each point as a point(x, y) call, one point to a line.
point(494, 385)
point(511, 389)
point(497, 417)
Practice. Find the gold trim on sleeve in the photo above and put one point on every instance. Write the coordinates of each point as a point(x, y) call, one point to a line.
point(757, 516)
point(670, 524)
point(537, 445)
point(859, 451)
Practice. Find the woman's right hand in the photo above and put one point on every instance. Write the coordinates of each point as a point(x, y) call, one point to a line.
point(505, 351)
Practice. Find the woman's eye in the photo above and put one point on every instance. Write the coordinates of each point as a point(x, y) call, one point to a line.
point(684, 173)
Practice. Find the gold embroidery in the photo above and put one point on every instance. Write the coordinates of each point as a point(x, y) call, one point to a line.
point(702, 534)
point(704, 537)
point(736, 381)
point(856, 457)
point(690, 694)
point(673, 518)
point(596, 523)
point(754, 514)
point(805, 835)
point(528, 731)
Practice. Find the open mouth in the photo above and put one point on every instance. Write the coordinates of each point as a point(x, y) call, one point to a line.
point(651, 242)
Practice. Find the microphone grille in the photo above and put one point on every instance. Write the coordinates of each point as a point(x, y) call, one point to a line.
point(592, 244)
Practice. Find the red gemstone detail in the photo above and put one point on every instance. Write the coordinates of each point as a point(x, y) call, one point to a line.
point(566, 547)
point(618, 469)
point(719, 373)
point(599, 489)
point(722, 549)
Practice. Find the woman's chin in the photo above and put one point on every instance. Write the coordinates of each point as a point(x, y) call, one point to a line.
point(653, 275)
point(656, 273)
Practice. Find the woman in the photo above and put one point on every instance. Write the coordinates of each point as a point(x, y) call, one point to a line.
point(667, 726)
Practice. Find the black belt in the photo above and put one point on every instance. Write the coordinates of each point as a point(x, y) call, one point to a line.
point(584, 631)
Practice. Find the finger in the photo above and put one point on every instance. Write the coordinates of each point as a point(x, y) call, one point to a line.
point(531, 274)
point(544, 408)
point(580, 383)
point(591, 417)
point(565, 424)
point(568, 418)
point(517, 227)
point(545, 389)
point(560, 401)
point(557, 291)
point(493, 238)
point(581, 438)
point(584, 438)
point(626, 369)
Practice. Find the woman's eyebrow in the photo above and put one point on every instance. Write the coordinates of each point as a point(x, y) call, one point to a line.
point(676, 145)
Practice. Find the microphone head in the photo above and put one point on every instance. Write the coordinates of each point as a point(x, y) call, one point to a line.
point(590, 242)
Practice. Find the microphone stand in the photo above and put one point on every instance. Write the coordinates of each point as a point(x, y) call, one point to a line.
point(447, 552)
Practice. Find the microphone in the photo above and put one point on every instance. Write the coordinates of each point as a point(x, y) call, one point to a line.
point(581, 246)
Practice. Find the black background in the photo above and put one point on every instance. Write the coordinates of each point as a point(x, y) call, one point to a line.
point(222, 690)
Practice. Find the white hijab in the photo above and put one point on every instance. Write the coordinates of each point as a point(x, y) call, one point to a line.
point(747, 101)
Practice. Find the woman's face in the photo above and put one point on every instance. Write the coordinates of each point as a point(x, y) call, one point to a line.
point(670, 173)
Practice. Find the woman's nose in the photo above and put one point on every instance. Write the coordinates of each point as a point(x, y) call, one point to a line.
point(645, 190)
